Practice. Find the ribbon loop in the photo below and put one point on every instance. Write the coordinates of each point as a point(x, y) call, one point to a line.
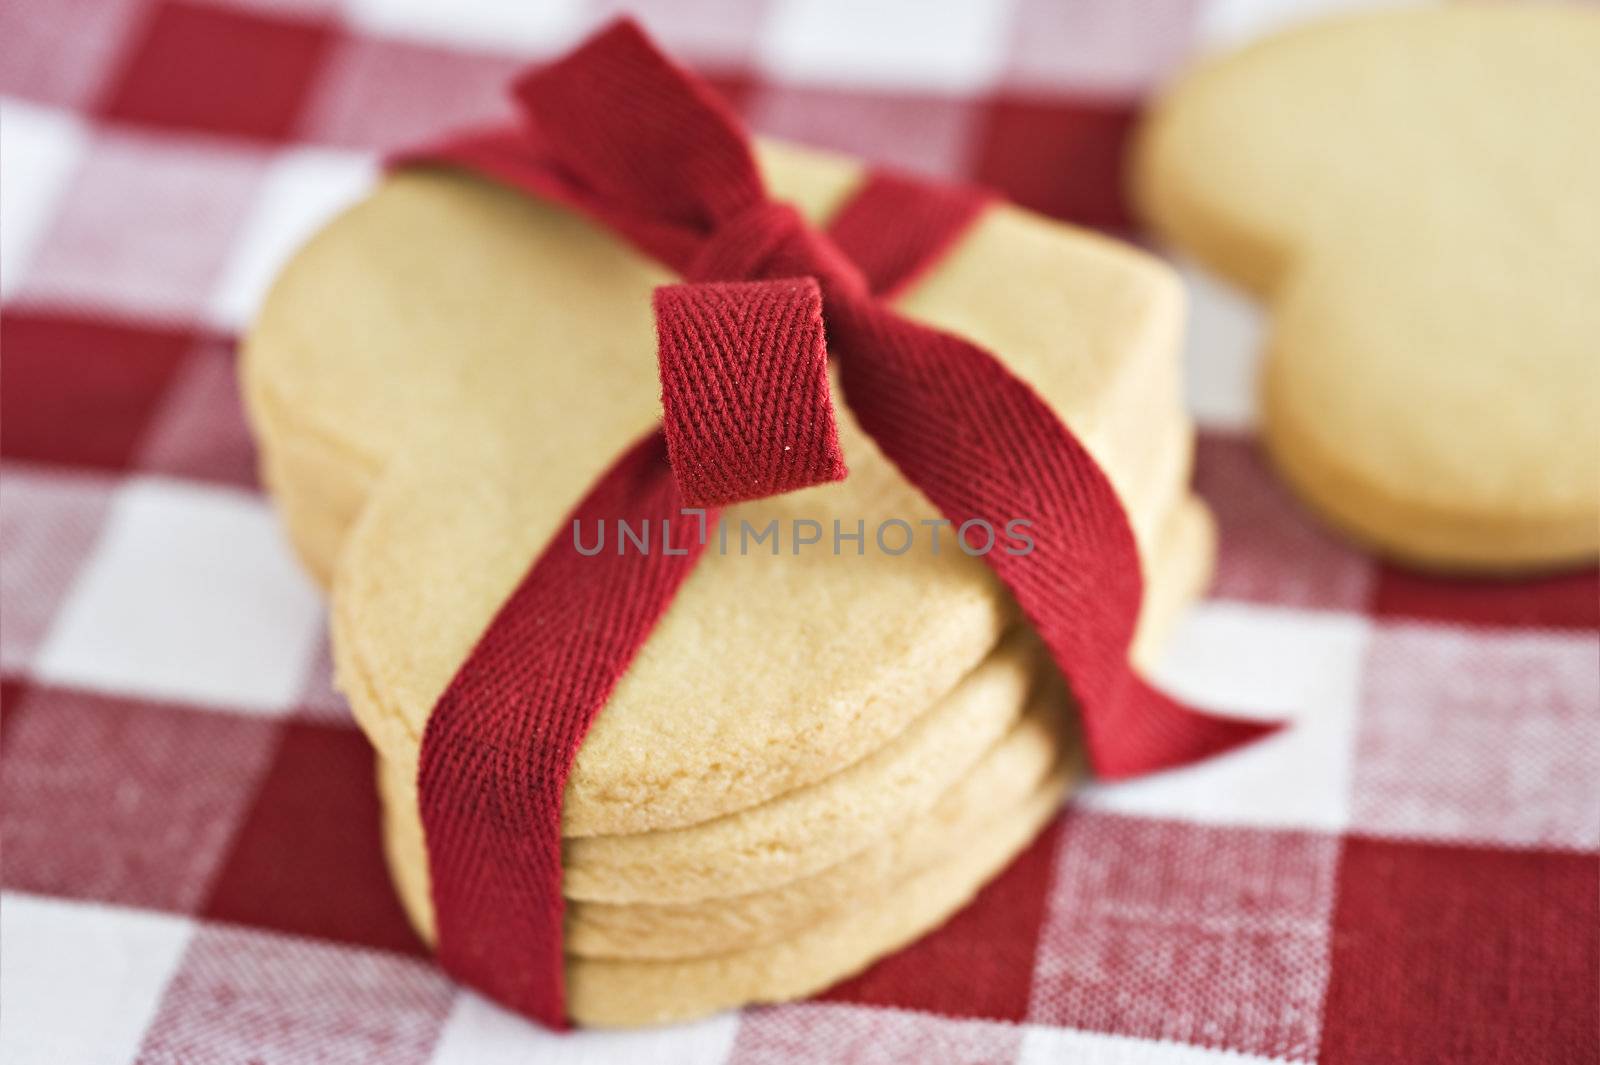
point(744, 389)
point(641, 133)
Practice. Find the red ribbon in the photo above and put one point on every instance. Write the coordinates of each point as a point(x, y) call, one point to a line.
point(620, 133)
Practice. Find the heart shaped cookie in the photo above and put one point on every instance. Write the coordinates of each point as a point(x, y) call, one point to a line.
point(801, 769)
point(1413, 195)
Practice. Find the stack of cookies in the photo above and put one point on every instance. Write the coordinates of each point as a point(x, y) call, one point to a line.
point(824, 749)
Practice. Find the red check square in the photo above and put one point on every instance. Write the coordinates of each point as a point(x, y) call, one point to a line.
point(218, 70)
point(78, 391)
point(123, 800)
point(1063, 158)
point(978, 963)
point(1563, 601)
point(1212, 936)
point(1463, 955)
point(11, 690)
point(1270, 550)
point(308, 858)
point(199, 431)
point(928, 135)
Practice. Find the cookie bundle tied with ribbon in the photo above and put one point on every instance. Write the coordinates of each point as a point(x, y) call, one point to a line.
point(734, 554)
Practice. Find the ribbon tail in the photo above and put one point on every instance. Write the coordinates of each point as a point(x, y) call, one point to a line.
point(500, 744)
point(1146, 730)
point(921, 393)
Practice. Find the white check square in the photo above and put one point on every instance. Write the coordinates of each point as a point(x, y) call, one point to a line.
point(1227, 24)
point(1221, 349)
point(478, 1032)
point(190, 595)
point(531, 28)
point(79, 982)
point(949, 46)
point(39, 149)
point(302, 189)
point(1249, 660)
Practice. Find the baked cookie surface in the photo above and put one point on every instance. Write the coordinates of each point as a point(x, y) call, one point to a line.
point(1413, 195)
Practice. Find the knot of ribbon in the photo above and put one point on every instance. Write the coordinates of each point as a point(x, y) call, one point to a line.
point(746, 404)
point(618, 132)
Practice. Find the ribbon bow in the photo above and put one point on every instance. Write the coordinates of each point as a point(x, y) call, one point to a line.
point(619, 132)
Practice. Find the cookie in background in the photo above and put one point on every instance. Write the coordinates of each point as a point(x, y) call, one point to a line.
point(1413, 196)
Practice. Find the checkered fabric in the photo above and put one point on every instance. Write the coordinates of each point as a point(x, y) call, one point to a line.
point(191, 871)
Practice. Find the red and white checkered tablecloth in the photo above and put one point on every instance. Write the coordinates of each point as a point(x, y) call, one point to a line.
point(188, 830)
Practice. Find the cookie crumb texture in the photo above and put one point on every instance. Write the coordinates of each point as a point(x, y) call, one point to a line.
point(1413, 195)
